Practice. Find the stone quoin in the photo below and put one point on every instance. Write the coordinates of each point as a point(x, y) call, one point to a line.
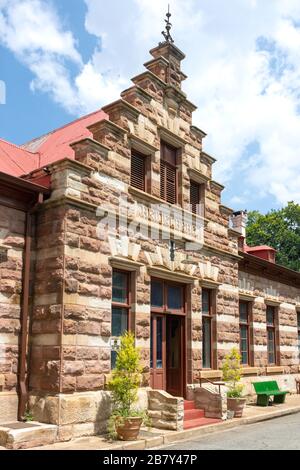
point(114, 222)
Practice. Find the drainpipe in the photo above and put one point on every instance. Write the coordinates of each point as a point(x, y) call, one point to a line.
point(22, 385)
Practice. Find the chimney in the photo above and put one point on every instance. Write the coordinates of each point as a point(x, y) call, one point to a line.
point(239, 223)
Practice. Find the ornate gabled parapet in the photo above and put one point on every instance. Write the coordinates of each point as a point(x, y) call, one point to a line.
point(206, 162)
point(136, 96)
point(206, 157)
point(122, 113)
point(152, 84)
point(197, 136)
point(168, 50)
point(159, 66)
point(110, 135)
point(90, 152)
point(216, 187)
point(174, 56)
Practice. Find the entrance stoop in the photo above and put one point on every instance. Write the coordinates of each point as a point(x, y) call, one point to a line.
point(194, 417)
point(19, 435)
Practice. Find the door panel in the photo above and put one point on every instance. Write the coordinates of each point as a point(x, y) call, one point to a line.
point(167, 354)
point(158, 352)
point(174, 363)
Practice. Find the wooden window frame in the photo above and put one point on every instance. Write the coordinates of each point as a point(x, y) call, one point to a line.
point(274, 329)
point(246, 324)
point(164, 165)
point(201, 198)
point(194, 206)
point(210, 315)
point(144, 158)
point(126, 305)
point(165, 309)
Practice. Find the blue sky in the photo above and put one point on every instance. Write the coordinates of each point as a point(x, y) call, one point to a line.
point(60, 59)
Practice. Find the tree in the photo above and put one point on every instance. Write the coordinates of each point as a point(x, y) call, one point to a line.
point(279, 229)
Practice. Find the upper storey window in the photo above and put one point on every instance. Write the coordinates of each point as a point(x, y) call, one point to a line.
point(138, 171)
point(168, 173)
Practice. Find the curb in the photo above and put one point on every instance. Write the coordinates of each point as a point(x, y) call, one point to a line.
point(173, 437)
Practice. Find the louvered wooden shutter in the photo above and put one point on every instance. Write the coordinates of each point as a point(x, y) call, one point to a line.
point(195, 197)
point(168, 174)
point(168, 183)
point(138, 171)
point(171, 184)
point(162, 179)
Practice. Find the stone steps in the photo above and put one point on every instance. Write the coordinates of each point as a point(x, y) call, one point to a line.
point(193, 414)
point(194, 417)
point(19, 435)
point(195, 423)
point(189, 405)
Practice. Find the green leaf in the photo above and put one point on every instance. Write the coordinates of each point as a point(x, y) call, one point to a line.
point(279, 229)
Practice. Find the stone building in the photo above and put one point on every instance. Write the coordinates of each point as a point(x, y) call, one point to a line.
point(115, 222)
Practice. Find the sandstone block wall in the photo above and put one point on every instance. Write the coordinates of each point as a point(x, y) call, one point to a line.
point(284, 298)
point(12, 227)
point(165, 411)
point(214, 404)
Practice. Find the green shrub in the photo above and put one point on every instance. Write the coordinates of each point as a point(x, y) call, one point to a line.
point(232, 373)
point(125, 382)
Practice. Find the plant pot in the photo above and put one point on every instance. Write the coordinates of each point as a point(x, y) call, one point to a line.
point(236, 405)
point(129, 428)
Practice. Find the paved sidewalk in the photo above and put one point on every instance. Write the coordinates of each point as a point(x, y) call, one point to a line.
point(152, 438)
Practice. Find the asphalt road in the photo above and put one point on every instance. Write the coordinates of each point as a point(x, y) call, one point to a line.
point(276, 434)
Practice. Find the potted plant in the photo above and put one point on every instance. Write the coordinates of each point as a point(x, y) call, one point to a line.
point(232, 376)
point(125, 421)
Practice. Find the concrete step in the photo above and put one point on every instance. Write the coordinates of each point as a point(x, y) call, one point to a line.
point(193, 414)
point(19, 435)
point(195, 423)
point(189, 405)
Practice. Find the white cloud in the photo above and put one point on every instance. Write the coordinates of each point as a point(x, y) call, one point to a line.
point(32, 30)
point(245, 93)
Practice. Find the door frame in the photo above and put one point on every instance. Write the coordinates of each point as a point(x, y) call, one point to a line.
point(183, 383)
point(164, 311)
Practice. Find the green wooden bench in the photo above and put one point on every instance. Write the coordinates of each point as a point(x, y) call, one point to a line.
point(265, 390)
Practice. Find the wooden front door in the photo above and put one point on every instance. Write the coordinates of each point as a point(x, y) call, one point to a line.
point(175, 355)
point(167, 354)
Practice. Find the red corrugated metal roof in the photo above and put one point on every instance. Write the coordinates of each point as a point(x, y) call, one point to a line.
point(250, 249)
point(18, 161)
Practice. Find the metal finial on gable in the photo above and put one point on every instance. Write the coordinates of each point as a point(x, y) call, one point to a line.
point(166, 34)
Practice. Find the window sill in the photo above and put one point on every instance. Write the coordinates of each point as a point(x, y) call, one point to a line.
point(211, 374)
point(275, 370)
point(149, 197)
point(250, 370)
